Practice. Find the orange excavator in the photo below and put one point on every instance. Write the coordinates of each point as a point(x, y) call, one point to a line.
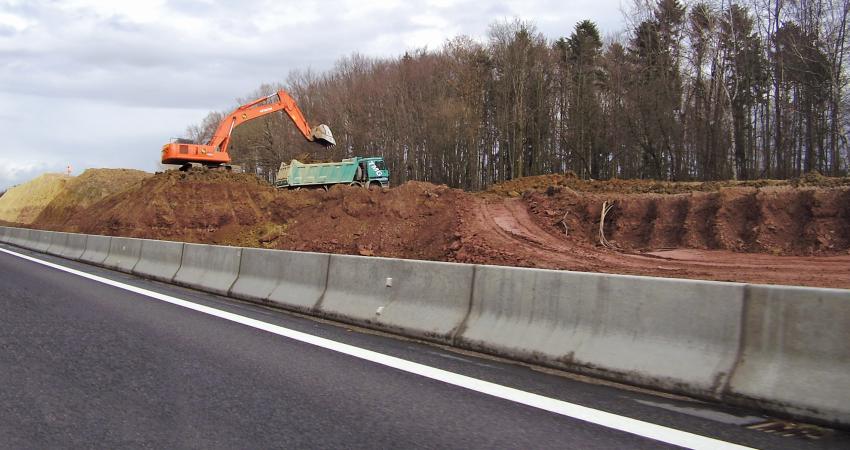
point(214, 153)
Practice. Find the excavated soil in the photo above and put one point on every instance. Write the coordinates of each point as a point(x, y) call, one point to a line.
point(93, 185)
point(783, 232)
point(525, 232)
point(239, 209)
point(24, 202)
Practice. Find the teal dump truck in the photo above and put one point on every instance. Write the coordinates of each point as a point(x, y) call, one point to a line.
point(367, 172)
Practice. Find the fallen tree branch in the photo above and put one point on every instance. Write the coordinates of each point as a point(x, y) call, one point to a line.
point(606, 207)
point(564, 222)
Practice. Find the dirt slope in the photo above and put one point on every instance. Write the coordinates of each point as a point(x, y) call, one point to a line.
point(795, 232)
point(23, 203)
point(412, 221)
point(174, 205)
point(779, 220)
point(82, 191)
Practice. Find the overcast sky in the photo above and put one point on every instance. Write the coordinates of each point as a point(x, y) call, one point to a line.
point(105, 83)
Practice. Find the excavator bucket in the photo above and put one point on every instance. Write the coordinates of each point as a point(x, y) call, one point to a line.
point(322, 135)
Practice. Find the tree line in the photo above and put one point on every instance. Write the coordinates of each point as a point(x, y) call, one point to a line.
point(705, 91)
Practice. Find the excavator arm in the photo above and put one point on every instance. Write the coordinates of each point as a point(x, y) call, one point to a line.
point(259, 108)
point(215, 151)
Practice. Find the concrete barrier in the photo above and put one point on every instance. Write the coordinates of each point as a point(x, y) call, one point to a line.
point(23, 238)
point(7, 234)
point(211, 268)
point(19, 237)
point(677, 335)
point(159, 260)
point(29, 238)
point(11, 235)
point(58, 241)
point(123, 253)
point(40, 240)
point(67, 245)
point(97, 249)
point(75, 246)
point(417, 298)
point(782, 349)
point(303, 282)
point(293, 280)
point(795, 356)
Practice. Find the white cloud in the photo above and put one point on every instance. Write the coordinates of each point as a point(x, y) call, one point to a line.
point(13, 172)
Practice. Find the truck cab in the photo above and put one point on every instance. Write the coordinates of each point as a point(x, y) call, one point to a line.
point(372, 171)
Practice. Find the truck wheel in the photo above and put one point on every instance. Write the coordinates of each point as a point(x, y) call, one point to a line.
point(374, 186)
point(355, 183)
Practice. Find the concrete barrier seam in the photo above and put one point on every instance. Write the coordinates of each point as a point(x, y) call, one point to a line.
point(742, 341)
point(238, 274)
point(179, 266)
point(85, 246)
point(130, 271)
point(238, 271)
point(462, 326)
point(318, 305)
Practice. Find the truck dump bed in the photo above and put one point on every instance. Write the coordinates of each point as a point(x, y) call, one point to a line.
point(297, 173)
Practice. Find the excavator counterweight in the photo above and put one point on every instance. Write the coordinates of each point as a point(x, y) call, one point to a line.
point(214, 153)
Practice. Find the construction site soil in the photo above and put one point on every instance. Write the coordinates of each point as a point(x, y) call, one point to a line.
point(793, 232)
point(23, 203)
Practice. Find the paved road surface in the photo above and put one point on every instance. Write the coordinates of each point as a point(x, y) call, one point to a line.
point(84, 364)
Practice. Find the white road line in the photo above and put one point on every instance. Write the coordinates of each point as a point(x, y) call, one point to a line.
point(595, 416)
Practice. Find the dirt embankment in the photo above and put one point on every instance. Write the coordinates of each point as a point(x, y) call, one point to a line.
point(795, 232)
point(777, 220)
point(188, 206)
point(412, 221)
point(81, 192)
point(525, 232)
point(24, 202)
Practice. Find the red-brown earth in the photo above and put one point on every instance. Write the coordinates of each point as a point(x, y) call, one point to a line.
point(795, 232)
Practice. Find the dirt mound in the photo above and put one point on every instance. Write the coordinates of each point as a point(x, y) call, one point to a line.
point(23, 203)
point(85, 190)
point(174, 205)
point(767, 232)
point(416, 220)
point(412, 221)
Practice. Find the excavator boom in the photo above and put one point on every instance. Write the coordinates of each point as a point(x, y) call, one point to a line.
point(214, 152)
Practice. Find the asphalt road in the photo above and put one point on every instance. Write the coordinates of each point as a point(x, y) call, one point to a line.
point(84, 364)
